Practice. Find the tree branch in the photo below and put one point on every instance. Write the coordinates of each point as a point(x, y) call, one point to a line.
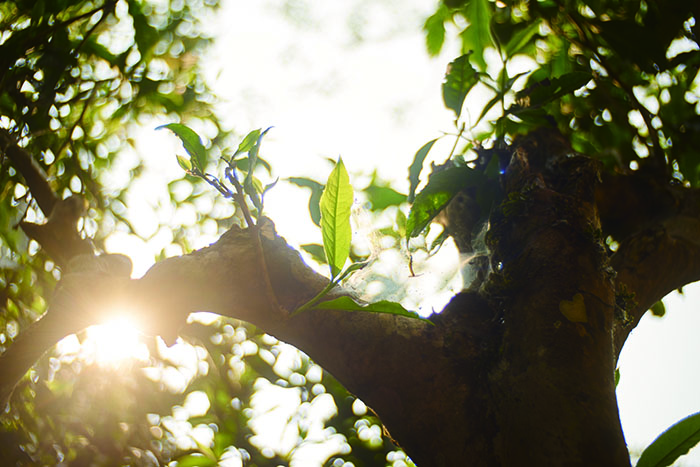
point(33, 174)
point(656, 224)
point(391, 362)
point(656, 261)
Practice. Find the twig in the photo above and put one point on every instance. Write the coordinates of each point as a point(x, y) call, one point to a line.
point(317, 298)
point(33, 174)
point(239, 197)
point(459, 135)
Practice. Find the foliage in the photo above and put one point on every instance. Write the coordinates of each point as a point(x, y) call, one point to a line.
point(672, 443)
point(641, 66)
point(76, 76)
point(336, 202)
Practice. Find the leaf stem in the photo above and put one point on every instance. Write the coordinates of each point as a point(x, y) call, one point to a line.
point(239, 196)
point(317, 298)
point(459, 136)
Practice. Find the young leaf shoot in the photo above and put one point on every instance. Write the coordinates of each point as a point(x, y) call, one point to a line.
point(336, 202)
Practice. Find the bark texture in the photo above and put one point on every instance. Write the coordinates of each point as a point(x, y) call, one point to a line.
point(516, 371)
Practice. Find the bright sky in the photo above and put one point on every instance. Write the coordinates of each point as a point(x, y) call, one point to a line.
point(353, 79)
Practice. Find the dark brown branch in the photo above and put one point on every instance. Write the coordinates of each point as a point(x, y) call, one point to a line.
point(656, 224)
point(391, 362)
point(59, 236)
point(629, 204)
point(27, 348)
point(654, 262)
point(75, 305)
point(33, 174)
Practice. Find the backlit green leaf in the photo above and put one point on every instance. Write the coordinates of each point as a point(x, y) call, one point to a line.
point(434, 28)
point(194, 460)
point(672, 443)
point(459, 80)
point(252, 189)
point(416, 167)
point(495, 100)
point(316, 252)
point(548, 90)
point(441, 188)
point(249, 141)
point(352, 268)
point(191, 142)
point(184, 163)
point(477, 36)
point(381, 197)
point(521, 38)
point(336, 202)
point(314, 200)
point(383, 306)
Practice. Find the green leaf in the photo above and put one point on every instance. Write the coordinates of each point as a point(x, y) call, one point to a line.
point(434, 28)
point(522, 38)
point(222, 441)
point(243, 164)
point(253, 189)
point(459, 80)
point(314, 200)
point(384, 306)
point(191, 142)
point(441, 188)
point(269, 186)
point(416, 167)
point(145, 35)
point(185, 163)
point(381, 197)
point(248, 142)
point(477, 36)
point(336, 202)
point(658, 309)
point(672, 443)
point(316, 252)
point(352, 268)
point(496, 99)
point(436, 244)
point(548, 90)
point(194, 460)
point(617, 376)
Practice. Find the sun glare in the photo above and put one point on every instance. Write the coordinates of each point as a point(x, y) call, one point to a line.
point(115, 341)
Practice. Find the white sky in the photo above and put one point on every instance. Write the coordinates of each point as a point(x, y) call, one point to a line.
point(353, 79)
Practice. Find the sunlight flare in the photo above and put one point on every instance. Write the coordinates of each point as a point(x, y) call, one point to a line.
point(115, 341)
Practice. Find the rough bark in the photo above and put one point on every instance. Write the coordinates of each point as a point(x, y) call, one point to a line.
point(517, 372)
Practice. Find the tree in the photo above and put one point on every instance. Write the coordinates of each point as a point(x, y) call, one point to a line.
point(575, 204)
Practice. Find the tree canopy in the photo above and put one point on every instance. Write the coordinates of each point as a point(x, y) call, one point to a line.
point(568, 185)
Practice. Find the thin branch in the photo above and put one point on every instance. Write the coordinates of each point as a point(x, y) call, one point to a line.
point(69, 21)
point(91, 31)
point(239, 197)
point(459, 136)
point(33, 174)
